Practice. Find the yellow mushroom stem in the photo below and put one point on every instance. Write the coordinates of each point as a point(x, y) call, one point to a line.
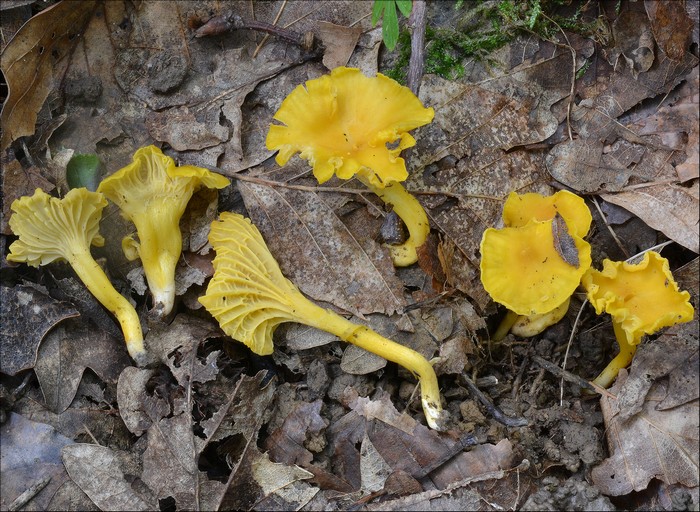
point(505, 325)
point(308, 313)
point(159, 248)
point(411, 213)
point(94, 278)
point(527, 326)
point(621, 360)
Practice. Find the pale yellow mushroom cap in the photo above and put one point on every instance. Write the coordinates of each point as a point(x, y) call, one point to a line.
point(641, 298)
point(342, 123)
point(50, 228)
point(521, 269)
point(248, 294)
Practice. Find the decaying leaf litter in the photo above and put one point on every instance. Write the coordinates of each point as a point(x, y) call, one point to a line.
point(321, 424)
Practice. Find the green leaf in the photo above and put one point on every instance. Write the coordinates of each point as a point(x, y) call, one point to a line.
point(84, 171)
point(405, 6)
point(390, 25)
point(377, 10)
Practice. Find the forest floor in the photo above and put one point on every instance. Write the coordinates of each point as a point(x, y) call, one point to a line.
point(598, 98)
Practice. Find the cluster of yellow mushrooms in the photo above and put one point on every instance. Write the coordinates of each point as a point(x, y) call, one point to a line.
point(341, 124)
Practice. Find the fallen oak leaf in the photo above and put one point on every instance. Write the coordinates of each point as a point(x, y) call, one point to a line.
point(652, 444)
point(27, 316)
point(35, 58)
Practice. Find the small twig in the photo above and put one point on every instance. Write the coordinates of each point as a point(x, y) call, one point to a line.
point(610, 229)
point(492, 409)
point(24, 498)
point(267, 36)
point(573, 75)
point(417, 60)
point(567, 376)
point(220, 24)
point(568, 346)
point(519, 377)
point(305, 188)
point(94, 439)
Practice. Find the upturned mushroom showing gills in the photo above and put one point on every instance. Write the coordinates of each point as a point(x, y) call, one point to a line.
point(250, 297)
point(641, 299)
point(52, 229)
point(152, 192)
point(341, 123)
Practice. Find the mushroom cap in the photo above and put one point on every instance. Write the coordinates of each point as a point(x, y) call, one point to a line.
point(641, 298)
point(152, 181)
point(519, 209)
point(49, 228)
point(248, 294)
point(521, 268)
point(342, 122)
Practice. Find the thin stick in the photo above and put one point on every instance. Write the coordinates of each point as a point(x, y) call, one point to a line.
point(267, 36)
point(494, 410)
point(24, 498)
point(610, 229)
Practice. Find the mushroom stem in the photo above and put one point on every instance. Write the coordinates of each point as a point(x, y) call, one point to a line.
point(159, 248)
point(310, 314)
point(621, 360)
point(505, 325)
point(94, 278)
point(411, 213)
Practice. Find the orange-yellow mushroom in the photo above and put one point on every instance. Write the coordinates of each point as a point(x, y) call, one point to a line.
point(342, 123)
point(52, 229)
point(641, 299)
point(534, 264)
point(250, 297)
point(152, 192)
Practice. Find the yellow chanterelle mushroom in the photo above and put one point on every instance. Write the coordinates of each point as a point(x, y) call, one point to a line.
point(342, 123)
point(641, 299)
point(250, 297)
point(52, 229)
point(152, 192)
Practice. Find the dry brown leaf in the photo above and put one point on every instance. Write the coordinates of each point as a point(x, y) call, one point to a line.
point(358, 361)
point(67, 351)
point(671, 209)
point(339, 42)
point(27, 314)
point(651, 444)
point(672, 27)
point(96, 470)
point(634, 42)
point(677, 122)
point(35, 60)
point(176, 345)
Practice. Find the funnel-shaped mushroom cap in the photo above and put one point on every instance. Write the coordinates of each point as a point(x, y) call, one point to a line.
point(153, 193)
point(641, 298)
point(522, 269)
point(248, 294)
point(51, 229)
point(342, 123)
point(519, 209)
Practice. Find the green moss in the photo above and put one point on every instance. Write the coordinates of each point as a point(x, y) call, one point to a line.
point(485, 27)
